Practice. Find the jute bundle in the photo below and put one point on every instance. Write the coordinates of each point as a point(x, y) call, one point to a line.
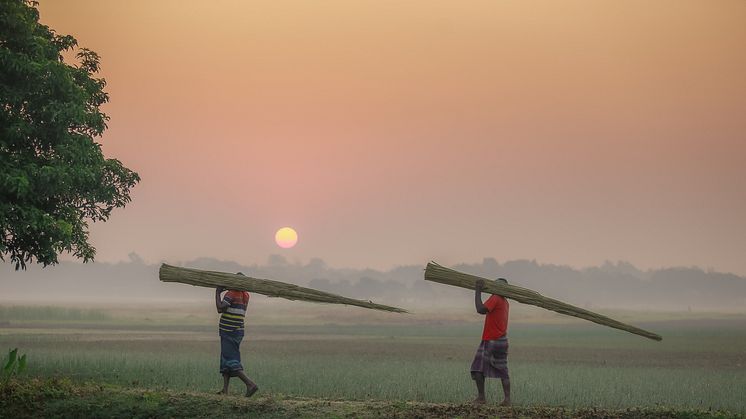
point(267, 287)
point(437, 273)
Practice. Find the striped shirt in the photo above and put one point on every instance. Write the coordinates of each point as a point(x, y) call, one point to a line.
point(232, 318)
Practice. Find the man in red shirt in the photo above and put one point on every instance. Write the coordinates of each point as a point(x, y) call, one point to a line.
point(491, 359)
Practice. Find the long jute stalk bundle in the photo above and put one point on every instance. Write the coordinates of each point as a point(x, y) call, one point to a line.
point(437, 273)
point(267, 287)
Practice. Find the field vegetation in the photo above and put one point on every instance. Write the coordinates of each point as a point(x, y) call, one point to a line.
point(700, 366)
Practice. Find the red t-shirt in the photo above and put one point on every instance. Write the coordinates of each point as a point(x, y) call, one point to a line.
point(496, 320)
point(237, 297)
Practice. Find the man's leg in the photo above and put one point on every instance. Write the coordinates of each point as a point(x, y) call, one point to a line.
point(251, 386)
point(226, 380)
point(506, 391)
point(479, 379)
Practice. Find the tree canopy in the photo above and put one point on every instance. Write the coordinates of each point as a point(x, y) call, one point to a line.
point(54, 177)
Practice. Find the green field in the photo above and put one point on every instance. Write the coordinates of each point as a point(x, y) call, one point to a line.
point(701, 363)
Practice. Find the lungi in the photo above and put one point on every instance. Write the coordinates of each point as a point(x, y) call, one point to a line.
point(230, 354)
point(491, 358)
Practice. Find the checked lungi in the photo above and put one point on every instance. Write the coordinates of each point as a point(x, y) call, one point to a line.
point(230, 354)
point(491, 358)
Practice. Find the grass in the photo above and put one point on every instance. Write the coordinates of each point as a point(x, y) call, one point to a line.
point(49, 313)
point(63, 398)
point(699, 366)
point(352, 376)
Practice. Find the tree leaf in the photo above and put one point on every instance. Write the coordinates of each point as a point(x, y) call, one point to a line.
point(54, 176)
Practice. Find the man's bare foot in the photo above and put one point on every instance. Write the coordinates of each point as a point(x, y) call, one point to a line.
point(250, 391)
point(505, 402)
point(478, 401)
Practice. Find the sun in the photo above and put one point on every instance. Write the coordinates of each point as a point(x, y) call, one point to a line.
point(286, 237)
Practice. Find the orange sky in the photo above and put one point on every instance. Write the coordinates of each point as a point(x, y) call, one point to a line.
point(390, 132)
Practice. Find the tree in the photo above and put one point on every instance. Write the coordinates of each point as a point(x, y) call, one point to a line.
point(54, 177)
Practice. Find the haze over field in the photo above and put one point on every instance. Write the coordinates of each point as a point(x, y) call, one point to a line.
point(390, 133)
point(613, 285)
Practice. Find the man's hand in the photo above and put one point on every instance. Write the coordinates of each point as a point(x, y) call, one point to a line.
point(479, 284)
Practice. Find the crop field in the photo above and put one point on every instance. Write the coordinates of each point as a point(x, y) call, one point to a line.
point(700, 364)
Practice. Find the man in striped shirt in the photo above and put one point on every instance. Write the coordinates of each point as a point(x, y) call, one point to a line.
point(233, 308)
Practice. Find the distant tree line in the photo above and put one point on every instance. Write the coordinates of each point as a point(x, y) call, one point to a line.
point(611, 285)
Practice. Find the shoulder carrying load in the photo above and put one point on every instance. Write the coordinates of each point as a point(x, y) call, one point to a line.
point(437, 273)
point(268, 287)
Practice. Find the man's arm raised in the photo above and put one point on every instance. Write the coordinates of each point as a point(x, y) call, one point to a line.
point(220, 305)
point(481, 309)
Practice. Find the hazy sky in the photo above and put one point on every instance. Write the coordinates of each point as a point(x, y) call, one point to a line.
point(393, 132)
